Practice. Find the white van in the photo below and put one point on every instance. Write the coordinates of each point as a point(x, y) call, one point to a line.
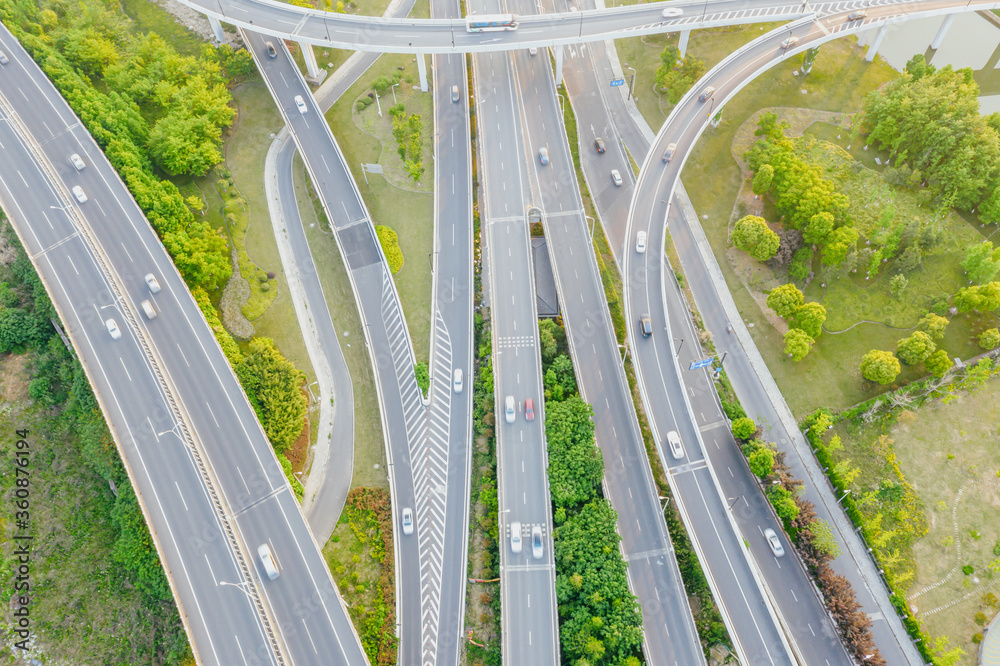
point(267, 559)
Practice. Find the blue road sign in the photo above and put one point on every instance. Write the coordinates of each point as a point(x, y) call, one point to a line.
point(617, 82)
point(702, 363)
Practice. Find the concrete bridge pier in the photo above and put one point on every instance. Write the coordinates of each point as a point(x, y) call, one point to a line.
point(217, 29)
point(942, 31)
point(312, 67)
point(873, 49)
point(682, 45)
point(559, 63)
point(422, 71)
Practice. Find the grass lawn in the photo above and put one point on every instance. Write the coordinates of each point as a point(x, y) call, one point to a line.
point(150, 17)
point(643, 54)
point(947, 453)
point(394, 200)
point(369, 447)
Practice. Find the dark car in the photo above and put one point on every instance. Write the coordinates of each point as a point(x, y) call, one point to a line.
point(599, 143)
point(646, 325)
point(271, 53)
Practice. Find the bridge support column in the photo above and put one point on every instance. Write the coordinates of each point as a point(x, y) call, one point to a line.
point(873, 49)
point(942, 31)
point(217, 29)
point(312, 67)
point(682, 45)
point(559, 63)
point(422, 70)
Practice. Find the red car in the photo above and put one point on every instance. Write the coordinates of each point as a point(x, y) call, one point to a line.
point(529, 409)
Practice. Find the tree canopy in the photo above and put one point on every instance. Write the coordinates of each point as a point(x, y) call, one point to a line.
point(915, 348)
point(880, 366)
point(274, 387)
point(575, 465)
point(785, 300)
point(798, 343)
point(929, 120)
point(753, 235)
point(676, 75)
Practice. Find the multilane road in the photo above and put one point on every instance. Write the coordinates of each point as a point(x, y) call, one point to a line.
point(205, 474)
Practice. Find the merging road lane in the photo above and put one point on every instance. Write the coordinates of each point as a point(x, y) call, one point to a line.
point(207, 479)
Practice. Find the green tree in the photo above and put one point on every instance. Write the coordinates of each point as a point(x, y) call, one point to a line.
point(17, 328)
point(761, 462)
point(989, 339)
point(798, 343)
point(784, 504)
point(744, 428)
point(933, 325)
point(981, 262)
point(915, 348)
point(809, 317)
point(910, 260)
point(785, 300)
point(818, 229)
point(823, 539)
point(880, 366)
point(676, 75)
point(201, 255)
point(575, 465)
point(938, 363)
point(547, 340)
point(984, 298)
point(762, 179)
point(897, 285)
point(754, 236)
point(274, 387)
point(838, 244)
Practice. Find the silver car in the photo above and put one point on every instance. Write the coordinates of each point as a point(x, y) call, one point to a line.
point(774, 542)
point(674, 441)
point(113, 329)
point(77, 162)
point(407, 520)
point(151, 282)
point(616, 178)
point(515, 537)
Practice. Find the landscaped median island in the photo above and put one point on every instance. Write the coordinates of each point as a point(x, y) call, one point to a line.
point(384, 119)
point(361, 557)
point(600, 621)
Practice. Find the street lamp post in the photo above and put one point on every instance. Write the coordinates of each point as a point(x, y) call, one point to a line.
point(679, 346)
point(592, 225)
point(844, 495)
point(378, 104)
point(631, 85)
point(394, 92)
point(663, 508)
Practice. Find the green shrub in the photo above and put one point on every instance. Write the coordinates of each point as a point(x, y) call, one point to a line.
point(423, 377)
point(744, 428)
point(801, 264)
point(389, 241)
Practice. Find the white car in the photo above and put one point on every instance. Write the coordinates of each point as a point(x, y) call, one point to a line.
point(668, 154)
point(616, 177)
point(77, 162)
point(640, 242)
point(674, 440)
point(536, 542)
point(774, 542)
point(515, 537)
point(458, 380)
point(3, 58)
point(791, 41)
point(301, 103)
point(533, 51)
point(407, 520)
point(147, 307)
point(151, 282)
point(267, 560)
point(671, 12)
point(509, 412)
point(113, 329)
point(78, 193)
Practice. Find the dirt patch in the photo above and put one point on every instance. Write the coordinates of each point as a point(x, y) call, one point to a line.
point(14, 381)
point(198, 23)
